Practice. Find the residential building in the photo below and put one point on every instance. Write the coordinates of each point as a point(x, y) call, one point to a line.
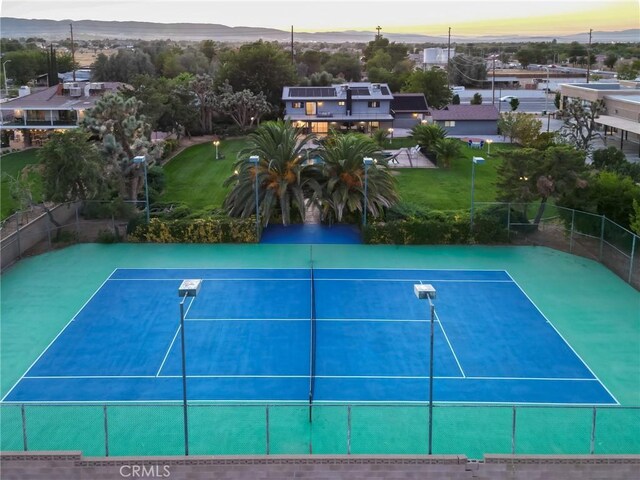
point(467, 119)
point(408, 109)
point(27, 119)
point(360, 106)
point(622, 108)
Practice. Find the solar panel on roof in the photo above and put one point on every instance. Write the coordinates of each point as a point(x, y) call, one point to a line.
point(360, 91)
point(384, 90)
point(312, 92)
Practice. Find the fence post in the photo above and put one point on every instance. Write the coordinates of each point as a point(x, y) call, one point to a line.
point(18, 236)
point(267, 427)
point(633, 254)
point(77, 223)
point(48, 223)
point(509, 221)
point(24, 428)
point(348, 429)
point(573, 222)
point(106, 431)
point(592, 447)
point(602, 237)
point(513, 432)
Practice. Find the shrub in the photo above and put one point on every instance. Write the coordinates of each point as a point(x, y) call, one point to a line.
point(107, 236)
point(203, 230)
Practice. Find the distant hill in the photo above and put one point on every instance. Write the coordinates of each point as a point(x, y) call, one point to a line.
point(93, 29)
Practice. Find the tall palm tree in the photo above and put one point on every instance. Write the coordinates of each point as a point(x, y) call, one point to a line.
point(446, 150)
point(282, 179)
point(343, 178)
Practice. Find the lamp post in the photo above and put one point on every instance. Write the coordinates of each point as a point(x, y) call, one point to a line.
point(143, 160)
point(216, 143)
point(255, 160)
point(489, 142)
point(188, 288)
point(391, 134)
point(428, 292)
point(4, 73)
point(367, 161)
point(474, 161)
point(546, 91)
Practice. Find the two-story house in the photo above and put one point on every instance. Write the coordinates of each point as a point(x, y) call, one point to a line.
point(29, 118)
point(349, 106)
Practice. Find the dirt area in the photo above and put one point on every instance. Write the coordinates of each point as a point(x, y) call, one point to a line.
point(86, 56)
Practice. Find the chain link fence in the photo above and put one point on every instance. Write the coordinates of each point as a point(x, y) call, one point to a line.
point(243, 429)
point(573, 231)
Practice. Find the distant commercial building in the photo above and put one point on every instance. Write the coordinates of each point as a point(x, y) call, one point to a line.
point(437, 57)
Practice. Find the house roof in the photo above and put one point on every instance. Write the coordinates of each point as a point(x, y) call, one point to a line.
point(466, 112)
point(409, 102)
point(59, 98)
point(359, 90)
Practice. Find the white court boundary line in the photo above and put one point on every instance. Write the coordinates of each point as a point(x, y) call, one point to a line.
point(59, 333)
point(166, 355)
point(563, 339)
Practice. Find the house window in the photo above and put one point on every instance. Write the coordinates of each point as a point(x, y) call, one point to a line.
point(450, 123)
point(296, 105)
point(310, 108)
point(341, 103)
point(374, 104)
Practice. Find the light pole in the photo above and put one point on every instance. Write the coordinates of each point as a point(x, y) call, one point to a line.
point(143, 160)
point(489, 142)
point(4, 73)
point(367, 161)
point(255, 160)
point(546, 91)
point(391, 134)
point(188, 288)
point(216, 143)
point(474, 161)
point(425, 291)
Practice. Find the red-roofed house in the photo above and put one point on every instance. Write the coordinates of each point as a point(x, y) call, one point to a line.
point(467, 119)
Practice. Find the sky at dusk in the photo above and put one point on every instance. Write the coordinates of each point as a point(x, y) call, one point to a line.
point(465, 17)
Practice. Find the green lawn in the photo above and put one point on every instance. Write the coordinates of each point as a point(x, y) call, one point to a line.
point(12, 164)
point(195, 178)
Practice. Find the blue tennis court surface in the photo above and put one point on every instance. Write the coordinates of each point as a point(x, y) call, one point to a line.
point(250, 337)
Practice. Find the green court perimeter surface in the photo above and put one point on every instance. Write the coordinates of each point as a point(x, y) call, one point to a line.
point(594, 310)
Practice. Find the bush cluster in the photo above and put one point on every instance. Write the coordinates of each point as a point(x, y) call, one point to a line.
point(203, 230)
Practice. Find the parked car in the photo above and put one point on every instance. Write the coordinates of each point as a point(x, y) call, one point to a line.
point(508, 98)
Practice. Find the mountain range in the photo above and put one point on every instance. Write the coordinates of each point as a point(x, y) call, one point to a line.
point(94, 29)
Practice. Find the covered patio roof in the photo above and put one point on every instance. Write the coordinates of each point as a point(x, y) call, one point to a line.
point(619, 123)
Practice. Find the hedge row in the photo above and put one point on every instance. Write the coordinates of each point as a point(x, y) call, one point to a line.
point(441, 228)
point(204, 230)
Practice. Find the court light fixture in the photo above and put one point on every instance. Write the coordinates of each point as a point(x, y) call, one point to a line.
point(426, 291)
point(141, 159)
point(474, 161)
point(188, 288)
point(368, 162)
point(255, 161)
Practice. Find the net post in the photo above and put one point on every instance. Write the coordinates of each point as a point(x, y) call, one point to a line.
point(513, 431)
point(592, 446)
point(348, 429)
point(48, 223)
point(18, 236)
point(106, 431)
point(24, 428)
point(266, 412)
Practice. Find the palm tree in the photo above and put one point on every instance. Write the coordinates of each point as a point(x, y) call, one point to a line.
point(343, 178)
point(426, 135)
point(446, 150)
point(282, 178)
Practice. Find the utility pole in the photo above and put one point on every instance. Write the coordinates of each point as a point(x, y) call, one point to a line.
point(493, 82)
point(73, 54)
point(378, 28)
point(292, 59)
point(449, 59)
point(589, 55)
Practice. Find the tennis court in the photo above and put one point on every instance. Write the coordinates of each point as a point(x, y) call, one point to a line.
point(92, 332)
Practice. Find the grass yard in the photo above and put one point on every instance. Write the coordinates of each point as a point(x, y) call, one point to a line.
point(12, 164)
point(196, 179)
